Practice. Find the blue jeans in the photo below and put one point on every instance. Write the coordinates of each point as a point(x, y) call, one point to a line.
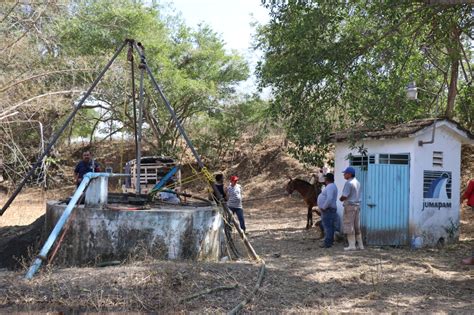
point(329, 219)
point(240, 216)
point(337, 224)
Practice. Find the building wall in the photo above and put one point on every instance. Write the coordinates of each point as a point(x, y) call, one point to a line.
point(436, 219)
point(389, 146)
point(428, 223)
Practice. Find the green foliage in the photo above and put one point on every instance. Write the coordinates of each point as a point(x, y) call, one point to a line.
point(216, 132)
point(94, 27)
point(192, 66)
point(335, 64)
point(54, 50)
point(465, 108)
point(84, 129)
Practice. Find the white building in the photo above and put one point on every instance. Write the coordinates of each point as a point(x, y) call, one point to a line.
point(410, 179)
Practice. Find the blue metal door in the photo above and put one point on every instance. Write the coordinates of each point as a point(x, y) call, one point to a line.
point(384, 207)
point(361, 175)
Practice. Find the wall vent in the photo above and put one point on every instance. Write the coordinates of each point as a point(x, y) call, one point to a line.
point(437, 159)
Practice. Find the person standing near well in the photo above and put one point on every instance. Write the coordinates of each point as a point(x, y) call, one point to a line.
point(86, 165)
point(351, 201)
point(234, 200)
point(327, 204)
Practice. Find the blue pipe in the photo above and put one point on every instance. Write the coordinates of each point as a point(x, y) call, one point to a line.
point(63, 219)
point(165, 179)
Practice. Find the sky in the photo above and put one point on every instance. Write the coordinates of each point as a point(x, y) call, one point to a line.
point(232, 20)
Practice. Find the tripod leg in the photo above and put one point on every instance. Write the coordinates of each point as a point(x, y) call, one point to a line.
point(56, 136)
point(157, 87)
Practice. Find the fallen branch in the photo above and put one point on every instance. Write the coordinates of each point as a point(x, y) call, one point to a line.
point(208, 291)
point(242, 304)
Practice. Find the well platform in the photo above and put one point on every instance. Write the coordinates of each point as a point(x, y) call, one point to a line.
point(176, 232)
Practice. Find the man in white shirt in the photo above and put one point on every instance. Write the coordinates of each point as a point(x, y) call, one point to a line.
point(351, 201)
point(327, 204)
point(234, 200)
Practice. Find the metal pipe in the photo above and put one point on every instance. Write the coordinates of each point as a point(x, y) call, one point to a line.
point(137, 148)
point(167, 104)
point(164, 180)
point(63, 219)
point(140, 125)
point(57, 228)
point(421, 142)
point(61, 130)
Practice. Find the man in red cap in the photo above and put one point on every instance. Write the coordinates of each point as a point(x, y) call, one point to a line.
point(234, 200)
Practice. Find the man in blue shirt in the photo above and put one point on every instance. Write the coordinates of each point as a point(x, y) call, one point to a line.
point(327, 204)
point(85, 166)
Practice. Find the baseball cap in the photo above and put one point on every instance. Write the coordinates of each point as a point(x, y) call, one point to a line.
point(349, 170)
point(234, 178)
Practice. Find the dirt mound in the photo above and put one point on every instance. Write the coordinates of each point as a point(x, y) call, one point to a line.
point(18, 242)
point(264, 168)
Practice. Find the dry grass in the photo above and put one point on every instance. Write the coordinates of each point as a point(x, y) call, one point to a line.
point(300, 277)
point(144, 287)
point(29, 205)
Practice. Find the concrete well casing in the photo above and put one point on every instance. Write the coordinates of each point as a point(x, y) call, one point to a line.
point(167, 232)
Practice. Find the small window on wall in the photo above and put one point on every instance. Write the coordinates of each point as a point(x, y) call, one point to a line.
point(437, 159)
point(394, 159)
point(362, 160)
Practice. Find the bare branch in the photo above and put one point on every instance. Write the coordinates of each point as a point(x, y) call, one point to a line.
point(26, 31)
point(37, 97)
point(3, 89)
point(10, 11)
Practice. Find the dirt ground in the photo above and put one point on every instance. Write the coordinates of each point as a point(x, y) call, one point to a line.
point(300, 277)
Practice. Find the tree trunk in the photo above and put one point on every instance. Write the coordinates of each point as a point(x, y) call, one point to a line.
point(454, 54)
point(453, 89)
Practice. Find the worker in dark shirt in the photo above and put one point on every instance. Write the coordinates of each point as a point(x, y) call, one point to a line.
point(85, 166)
point(220, 186)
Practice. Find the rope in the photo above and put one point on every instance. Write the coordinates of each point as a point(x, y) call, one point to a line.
point(207, 174)
point(206, 177)
point(228, 232)
point(122, 142)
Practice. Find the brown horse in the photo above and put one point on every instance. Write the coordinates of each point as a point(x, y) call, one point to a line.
point(309, 193)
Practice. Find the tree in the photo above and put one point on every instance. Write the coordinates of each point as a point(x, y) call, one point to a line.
point(34, 83)
point(338, 64)
point(216, 132)
point(193, 67)
point(53, 50)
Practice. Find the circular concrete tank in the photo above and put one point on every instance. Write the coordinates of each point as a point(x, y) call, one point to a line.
point(163, 231)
